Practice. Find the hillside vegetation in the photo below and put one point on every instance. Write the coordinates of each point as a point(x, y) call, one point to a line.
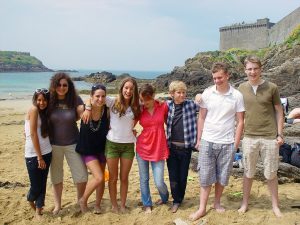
point(12, 61)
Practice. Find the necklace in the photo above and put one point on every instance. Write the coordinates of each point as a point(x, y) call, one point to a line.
point(95, 129)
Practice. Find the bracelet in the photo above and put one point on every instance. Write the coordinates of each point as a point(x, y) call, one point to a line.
point(88, 107)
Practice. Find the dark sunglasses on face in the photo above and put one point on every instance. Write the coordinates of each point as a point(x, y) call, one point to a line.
point(42, 90)
point(62, 85)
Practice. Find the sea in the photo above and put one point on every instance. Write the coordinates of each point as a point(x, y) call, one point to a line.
point(22, 85)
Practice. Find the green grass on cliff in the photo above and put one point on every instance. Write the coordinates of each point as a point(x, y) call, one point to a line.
point(294, 37)
point(18, 58)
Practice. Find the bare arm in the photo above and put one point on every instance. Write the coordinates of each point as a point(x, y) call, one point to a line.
point(80, 110)
point(239, 128)
point(33, 120)
point(200, 125)
point(279, 120)
point(86, 115)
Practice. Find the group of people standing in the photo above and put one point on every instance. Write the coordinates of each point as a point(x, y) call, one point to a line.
point(107, 136)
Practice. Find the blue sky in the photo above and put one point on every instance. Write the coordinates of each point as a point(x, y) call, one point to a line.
point(125, 34)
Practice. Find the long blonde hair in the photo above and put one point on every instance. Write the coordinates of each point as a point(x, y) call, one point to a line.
point(120, 104)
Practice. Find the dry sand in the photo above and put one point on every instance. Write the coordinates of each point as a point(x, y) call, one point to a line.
point(14, 185)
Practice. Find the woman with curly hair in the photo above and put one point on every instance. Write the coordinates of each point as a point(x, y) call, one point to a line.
point(65, 107)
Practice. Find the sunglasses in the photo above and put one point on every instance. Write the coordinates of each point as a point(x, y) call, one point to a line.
point(62, 85)
point(42, 90)
point(98, 86)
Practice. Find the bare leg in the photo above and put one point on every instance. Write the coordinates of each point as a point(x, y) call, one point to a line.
point(113, 165)
point(32, 205)
point(204, 194)
point(98, 178)
point(80, 190)
point(273, 188)
point(100, 191)
point(218, 193)
point(124, 173)
point(247, 184)
point(57, 192)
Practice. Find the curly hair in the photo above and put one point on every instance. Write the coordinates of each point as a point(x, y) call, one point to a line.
point(71, 95)
point(43, 113)
point(120, 104)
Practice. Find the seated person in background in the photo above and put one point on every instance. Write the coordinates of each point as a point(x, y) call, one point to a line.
point(294, 116)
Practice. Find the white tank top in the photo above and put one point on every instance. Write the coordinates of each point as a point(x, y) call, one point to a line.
point(45, 145)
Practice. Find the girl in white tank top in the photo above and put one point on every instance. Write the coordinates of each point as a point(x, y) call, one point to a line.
point(37, 149)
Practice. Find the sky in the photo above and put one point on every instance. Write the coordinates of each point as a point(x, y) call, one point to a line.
point(154, 35)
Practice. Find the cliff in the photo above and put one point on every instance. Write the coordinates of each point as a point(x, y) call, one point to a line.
point(11, 61)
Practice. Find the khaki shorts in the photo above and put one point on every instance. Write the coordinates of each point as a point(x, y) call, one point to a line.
point(267, 149)
point(119, 150)
point(77, 167)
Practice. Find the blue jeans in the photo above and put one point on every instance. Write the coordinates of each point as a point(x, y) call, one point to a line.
point(158, 174)
point(178, 167)
point(38, 180)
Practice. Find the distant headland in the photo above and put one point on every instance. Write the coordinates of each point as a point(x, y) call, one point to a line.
point(13, 61)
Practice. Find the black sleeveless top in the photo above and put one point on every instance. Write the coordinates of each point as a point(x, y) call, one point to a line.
point(92, 140)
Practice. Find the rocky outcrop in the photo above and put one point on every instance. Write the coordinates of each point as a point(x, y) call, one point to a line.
point(281, 65)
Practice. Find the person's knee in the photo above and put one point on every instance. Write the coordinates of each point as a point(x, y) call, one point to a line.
point(270, 176)
point(99, 180)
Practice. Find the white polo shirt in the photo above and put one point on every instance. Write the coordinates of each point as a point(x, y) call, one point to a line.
point(219, 124)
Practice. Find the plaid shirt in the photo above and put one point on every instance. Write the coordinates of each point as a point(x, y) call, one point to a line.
point(189, 122)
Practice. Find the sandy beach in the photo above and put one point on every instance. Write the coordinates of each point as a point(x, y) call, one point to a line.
point(14, 185)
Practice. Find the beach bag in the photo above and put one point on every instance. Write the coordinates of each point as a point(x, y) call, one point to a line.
point(285, 151)
point(295, 158)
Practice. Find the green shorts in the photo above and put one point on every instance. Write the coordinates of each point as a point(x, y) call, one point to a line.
point(119, 150)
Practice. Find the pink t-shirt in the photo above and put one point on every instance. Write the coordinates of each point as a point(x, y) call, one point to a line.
point(151, 144)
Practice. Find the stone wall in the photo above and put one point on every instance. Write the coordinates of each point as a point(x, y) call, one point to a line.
point(284, 27)
point(258, 35)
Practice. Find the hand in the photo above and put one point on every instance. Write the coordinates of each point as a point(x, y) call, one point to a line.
point(41, 164)
point(86, 116)
point(279, 140)
point(197, 146)
point(134, 132)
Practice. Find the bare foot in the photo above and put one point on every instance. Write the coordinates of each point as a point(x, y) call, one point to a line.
point(174, 207)
point(243, 209)
point(219, 208)
point(38, 216)
point(148, 209)
point(160, 202)
point(56, 210)
point(197, 215)
point(123, 209)
point(83, 206)
point(32, 205)
point(97, 209)
point(277, 212)
point(115, 209)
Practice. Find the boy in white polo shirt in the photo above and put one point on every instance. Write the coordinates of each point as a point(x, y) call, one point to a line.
point(217, 139)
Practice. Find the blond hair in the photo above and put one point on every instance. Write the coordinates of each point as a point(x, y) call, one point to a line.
point(177, 85)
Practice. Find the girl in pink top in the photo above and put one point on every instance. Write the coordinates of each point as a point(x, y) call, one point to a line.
point(151, 146)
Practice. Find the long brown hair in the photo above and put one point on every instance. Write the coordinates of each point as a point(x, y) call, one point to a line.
point(71, 95)
point(120, 104)
point(42, 113)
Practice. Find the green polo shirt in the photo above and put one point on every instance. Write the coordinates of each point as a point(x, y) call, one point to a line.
point(260, 115)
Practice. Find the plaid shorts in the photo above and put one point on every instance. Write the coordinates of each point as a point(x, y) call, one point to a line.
point(267, 149)
point(215, 163)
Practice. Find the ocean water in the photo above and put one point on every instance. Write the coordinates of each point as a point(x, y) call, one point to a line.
point(22, 85)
